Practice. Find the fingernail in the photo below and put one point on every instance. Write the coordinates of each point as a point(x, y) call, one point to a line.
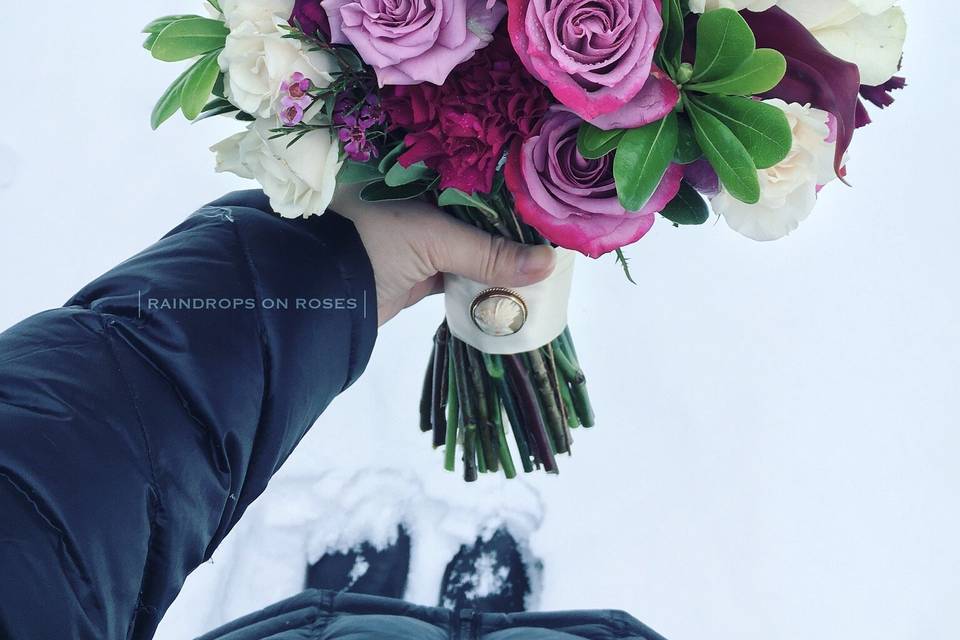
point(536, 260)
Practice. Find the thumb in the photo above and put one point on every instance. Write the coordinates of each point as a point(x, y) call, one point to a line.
point(469, 252)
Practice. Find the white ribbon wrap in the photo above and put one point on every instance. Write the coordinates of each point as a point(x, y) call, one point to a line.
point(546, 304)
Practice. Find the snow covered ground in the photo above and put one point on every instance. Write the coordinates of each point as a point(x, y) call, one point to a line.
point(265, 558)
point(778, 423)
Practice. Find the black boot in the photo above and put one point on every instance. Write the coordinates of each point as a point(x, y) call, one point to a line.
point(365, 570)
point(488, 576)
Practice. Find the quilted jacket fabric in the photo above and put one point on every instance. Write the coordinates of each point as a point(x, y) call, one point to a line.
point(324, 615)
point(140, 420)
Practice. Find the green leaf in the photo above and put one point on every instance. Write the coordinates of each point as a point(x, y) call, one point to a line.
point(169, 102)
point(400, 175)
point(381, 192)
point(358, 173)
point(218, 89)
point(199, 85)
point(724, 42)
point(330, 105)
point(726, 154)
point(351, 58)
point(148, 43)
point(762, 128)
point(498, 182)
point(665, 17)
point(687, 148)
point(642, 158)
point(593, 142)
point(457, 198)
point(687, 208)
point(218, 103)
point(390, 158)
point(216, 5)
point(216, 107)
point(760, 73)
point(189, 38)
point(671, 42)
point(160, 24)
point(222, 111)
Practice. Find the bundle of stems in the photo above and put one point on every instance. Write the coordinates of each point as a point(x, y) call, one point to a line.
point(470, 398)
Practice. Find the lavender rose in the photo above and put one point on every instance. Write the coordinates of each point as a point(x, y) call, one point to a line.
point(573, 201)
point(596, 56)
point(414, 41)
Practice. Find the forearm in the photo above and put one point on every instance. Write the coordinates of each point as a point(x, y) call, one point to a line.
point(139, 422)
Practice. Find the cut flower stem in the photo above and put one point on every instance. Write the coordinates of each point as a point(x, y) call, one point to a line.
point(470, 398)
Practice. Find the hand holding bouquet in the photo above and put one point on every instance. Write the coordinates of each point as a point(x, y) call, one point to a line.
point(570, 122)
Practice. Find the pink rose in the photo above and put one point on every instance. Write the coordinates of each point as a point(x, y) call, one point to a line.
point(412, 41)
point(573, 201)
point(596, 56)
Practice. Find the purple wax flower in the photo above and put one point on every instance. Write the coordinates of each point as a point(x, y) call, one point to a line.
point(365, 114)
point(372, 113)
point(297, 86)
point(354, 119)
point(291, 112)
point(356, 145)
point(294, 99)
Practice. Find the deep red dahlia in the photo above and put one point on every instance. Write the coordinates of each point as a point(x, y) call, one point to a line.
point(463, 128)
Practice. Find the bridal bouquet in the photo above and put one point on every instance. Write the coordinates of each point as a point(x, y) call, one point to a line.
point(577, 123)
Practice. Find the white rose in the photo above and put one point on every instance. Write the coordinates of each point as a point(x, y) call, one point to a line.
point(868, 33)
point(257, 58)
point(701, 6)
point(299, 180)
point(263, 12)
point(788, 191)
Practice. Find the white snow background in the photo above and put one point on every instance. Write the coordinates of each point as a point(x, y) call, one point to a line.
point(777, 449)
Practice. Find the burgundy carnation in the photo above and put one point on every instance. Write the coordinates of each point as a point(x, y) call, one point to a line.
point(411, 106)
point(463, 128)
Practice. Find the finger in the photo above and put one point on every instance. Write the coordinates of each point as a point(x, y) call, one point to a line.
point(423, 289)
point(469, 252)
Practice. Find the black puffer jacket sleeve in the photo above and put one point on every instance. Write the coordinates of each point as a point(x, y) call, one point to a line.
point(139, 421)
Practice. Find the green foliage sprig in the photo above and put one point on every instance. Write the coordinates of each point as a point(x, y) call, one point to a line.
point(183, 37)
point(717, 117)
